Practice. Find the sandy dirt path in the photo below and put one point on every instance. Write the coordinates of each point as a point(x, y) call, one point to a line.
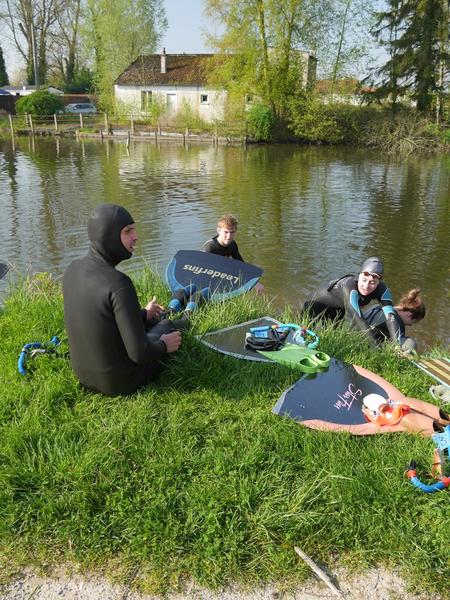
point(376, 584)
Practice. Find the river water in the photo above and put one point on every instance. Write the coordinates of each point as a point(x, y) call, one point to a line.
point(306, 214)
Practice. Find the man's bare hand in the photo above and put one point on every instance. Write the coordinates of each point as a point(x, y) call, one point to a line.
point(172, 340)
point(154, 309)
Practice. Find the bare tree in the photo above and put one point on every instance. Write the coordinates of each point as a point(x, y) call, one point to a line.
point(65, 40)
point(31, 23)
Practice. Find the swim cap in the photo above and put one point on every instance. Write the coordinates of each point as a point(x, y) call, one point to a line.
point(373, 265)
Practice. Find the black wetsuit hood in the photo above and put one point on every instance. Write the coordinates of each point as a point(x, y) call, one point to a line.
point(104, 227)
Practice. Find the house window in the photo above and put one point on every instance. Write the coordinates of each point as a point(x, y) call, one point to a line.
point(248, 98)
point(203, 98)
point(146, 100)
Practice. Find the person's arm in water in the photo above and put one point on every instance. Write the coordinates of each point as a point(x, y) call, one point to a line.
point(378, 323)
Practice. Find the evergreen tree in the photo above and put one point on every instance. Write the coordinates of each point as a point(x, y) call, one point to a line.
point(416, 36)
point(3, 74)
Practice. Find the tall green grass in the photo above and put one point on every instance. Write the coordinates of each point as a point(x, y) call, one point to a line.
point(194, 476)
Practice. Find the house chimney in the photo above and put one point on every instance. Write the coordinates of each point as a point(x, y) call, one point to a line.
point(163, 61)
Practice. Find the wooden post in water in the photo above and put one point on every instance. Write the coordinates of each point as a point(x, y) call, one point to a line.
point(56, 121)
point(31, 124)
point(106, 124)
point(132, 124)
point(11, 126)
point(81, 120)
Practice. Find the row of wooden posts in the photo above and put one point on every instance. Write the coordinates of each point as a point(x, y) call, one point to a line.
point(29, 123)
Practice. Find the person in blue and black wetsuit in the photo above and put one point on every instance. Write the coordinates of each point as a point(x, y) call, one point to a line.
point(407, 312)
point(344, 298)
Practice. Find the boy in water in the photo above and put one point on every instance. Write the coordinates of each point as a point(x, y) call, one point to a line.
point(224, 243)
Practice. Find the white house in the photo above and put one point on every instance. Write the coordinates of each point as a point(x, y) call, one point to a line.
point(174, 79)
point(177, 79)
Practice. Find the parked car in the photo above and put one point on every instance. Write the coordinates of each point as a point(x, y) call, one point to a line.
point(86, 108)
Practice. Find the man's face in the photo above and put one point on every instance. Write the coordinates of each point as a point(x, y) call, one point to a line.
point(128, 237)
point(226, 235)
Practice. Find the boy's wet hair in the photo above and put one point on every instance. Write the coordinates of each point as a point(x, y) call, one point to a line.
point(229, 221)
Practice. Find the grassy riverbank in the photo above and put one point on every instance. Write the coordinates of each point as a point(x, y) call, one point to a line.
point(195, 477)
point(312, 122)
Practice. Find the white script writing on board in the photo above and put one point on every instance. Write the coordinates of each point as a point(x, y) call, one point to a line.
point(347, 398)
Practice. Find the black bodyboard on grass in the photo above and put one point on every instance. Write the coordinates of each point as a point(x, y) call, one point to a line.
point(334, 396)
point(224, 277)
point(231, 340)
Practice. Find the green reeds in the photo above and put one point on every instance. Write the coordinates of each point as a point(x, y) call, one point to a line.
point(194, 476)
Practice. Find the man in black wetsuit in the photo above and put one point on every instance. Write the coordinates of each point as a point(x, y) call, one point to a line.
point(345, 296)
point(110, 349)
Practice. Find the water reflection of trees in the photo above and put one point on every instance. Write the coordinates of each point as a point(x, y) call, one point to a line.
point(306, 214)
point(410, 210)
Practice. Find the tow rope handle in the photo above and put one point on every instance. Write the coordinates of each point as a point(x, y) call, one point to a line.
point(34, 347)
point(411, 473)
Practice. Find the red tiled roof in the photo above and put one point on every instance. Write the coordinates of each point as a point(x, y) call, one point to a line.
point(181, 69)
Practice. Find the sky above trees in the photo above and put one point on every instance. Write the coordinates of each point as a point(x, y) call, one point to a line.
point(186, 24)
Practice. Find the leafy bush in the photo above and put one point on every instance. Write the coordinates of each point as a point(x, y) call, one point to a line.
point(445, 135)
point(187, 117)
point(156, 109)
point(314, 121)
point(40, 102)
point(260, 121)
